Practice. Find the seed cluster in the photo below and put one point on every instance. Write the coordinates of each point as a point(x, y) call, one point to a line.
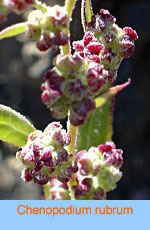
point(98, 171)
point(72, 85)
point(48, 28)
point(45, 156)
point(76, 79)
point(118, 43)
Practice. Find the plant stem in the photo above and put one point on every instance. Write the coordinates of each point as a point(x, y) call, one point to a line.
point(73, 131)
point(40, 6)
point(69, 7)
point(47, 190)
point(70, 184)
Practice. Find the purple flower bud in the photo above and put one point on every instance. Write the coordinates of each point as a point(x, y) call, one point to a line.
point(131, 33)
point(88, 37)
point(55, 81)
point(81, 110)
point(46, 158)
point(107, 16)
point(86, 184)
point(78, 46)
point(38, 165)
point(76, 90)
point(126, 47)
point(95, 48)
point(111, 154)
point(110, 36)
point(85, 164)
point(109, 55)
point(108, 147)
point(89, 104)
point(99, 194)
point(27, 175)
point(41, 179)
point(62, 156)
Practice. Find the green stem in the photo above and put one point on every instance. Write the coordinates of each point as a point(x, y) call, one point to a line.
point(69, 7)
point(71, 183)
point(73, 131)
point(47, 190)
point(40, 6)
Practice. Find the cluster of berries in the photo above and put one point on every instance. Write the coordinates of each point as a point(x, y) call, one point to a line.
point(48, 28)
point(98, 171)
point(45, 155)
point(72, 85)
point(118, 43)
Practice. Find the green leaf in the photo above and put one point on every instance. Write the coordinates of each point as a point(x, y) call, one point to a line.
point(86, 13)
point(98, 129)
point(14, 128)
point(13, 30)
point(103, 97)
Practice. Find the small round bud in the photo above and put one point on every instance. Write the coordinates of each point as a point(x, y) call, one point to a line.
point(131, 33)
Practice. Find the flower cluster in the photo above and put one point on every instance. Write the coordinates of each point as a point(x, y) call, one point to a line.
point(118, 43)
point(72, 85)
point(48, 28)
point(98, 171)
point(89, 47)
point(45, 155)
point(18, 6)
point(75, 80)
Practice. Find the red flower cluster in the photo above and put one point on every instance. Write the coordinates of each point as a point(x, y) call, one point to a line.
point(48, 28)
point(98, 171)
point(45, 156)
point(118, 43)
point(72, 85)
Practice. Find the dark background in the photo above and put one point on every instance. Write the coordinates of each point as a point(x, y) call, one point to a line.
point(21, 69)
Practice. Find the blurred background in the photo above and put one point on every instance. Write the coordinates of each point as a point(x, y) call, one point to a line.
point(21, 71)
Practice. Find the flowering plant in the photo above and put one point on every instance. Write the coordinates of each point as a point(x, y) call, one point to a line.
point(82, 162)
